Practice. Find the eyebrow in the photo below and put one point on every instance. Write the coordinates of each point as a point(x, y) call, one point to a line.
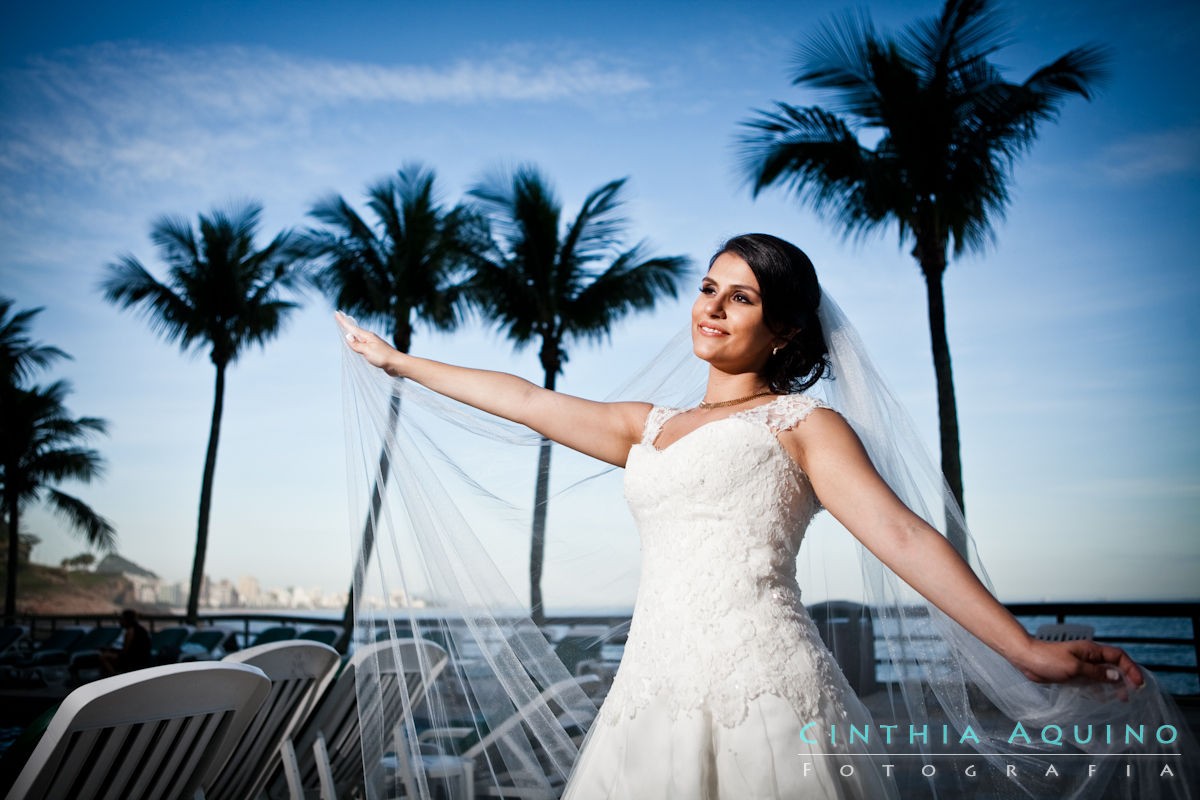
point(741, 286)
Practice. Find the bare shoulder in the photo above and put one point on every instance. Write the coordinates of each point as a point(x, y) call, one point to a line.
point(822, 432)
point(629, 417)
point(635, 413)
point(633, 417)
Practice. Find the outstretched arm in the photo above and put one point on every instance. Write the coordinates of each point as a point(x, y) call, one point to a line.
point(847, 484)
point(602, 430)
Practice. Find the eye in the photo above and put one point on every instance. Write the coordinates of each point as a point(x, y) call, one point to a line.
point(706, 288)
point(741, 298)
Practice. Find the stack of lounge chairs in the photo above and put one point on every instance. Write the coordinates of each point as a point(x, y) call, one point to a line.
point(276, 720)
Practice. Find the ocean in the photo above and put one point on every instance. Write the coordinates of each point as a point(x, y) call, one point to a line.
point(1181, 655)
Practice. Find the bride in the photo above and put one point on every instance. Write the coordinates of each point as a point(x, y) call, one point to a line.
point(725, 689)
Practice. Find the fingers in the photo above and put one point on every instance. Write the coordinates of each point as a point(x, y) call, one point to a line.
point(354, 334)
point(346, 323)
point(1107, 664)
point(1118, 657)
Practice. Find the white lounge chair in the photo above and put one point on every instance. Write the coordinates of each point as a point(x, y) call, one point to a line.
point(11, 637)
point(154, 733)
point(327, 755)
point(330, 752)
point(513, 775)
point(299, 672)
point(1065, 632)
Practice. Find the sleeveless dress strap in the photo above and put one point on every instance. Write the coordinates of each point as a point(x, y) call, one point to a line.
point(790, 410)
point(655, 420)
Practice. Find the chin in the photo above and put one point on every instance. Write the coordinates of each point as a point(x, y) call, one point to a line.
point(702, 349)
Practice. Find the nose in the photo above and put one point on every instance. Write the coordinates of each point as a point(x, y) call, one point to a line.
point(715, 306)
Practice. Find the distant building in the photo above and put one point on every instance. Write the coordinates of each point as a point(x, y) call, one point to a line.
point(249, 591)
point(222, 594)
point(173, 594)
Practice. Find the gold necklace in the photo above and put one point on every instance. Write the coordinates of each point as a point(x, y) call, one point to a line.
point(725, 403)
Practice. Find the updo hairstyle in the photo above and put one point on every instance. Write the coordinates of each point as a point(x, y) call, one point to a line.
point(790, 294)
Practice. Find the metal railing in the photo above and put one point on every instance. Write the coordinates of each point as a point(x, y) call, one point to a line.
point(244, 623)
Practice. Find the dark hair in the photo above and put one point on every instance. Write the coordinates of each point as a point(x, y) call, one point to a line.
point(790, 296)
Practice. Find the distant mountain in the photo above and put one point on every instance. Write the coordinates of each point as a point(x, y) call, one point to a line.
point(113, 564)
point(51, 590)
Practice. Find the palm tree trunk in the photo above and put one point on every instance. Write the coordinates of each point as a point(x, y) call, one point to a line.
point(537, 546)
point(210, 467)
point(367, 545)
point(947, 406)
point(541, 492)
point(402, 341)
point(14, 563)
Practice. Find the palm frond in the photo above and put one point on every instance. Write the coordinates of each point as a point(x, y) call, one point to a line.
point(632, 281)
point(56, 429)
point(524, 212)
point(260, 322)
point(409, 263)
point(216, 281)
point(381, 199)
point(502, 295)
point(175, 240)
point(1079, 71)
point(129, 285)
point(20, 356)
point(966, 31)
point(100, 532)
point(66, 463)
point(839, 57)
point(814, 153)
point(599, 223)
point(952, 125)
point(336, 213)
point(41, 443)
point(354, 274)
point(540, 283)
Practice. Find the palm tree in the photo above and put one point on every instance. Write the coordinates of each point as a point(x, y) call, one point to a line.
point(221, 294)
point(557, 284)
point(404, 269)
point(41, 445)
point(19, 355)
point(951, 129)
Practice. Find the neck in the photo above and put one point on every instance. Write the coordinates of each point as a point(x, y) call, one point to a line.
point(726, 386)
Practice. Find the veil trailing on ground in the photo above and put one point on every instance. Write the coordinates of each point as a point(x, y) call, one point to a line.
point(444, 490)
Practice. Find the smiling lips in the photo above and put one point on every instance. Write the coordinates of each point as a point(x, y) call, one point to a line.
point(709, 330)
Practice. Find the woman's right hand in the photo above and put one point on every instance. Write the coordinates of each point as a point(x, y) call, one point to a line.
point(377, 352)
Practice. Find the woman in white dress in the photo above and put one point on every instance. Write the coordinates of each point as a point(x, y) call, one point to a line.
point(725, 689)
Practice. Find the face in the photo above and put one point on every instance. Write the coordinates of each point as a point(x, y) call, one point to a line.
point(728, 327)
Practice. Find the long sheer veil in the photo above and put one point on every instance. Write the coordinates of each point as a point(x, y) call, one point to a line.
point(444, 491)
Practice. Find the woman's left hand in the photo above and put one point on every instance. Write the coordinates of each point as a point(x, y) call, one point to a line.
point(1059, 662)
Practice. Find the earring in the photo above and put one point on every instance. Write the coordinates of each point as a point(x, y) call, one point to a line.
point(774, 351)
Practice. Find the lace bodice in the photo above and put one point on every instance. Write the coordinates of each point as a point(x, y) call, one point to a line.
point(718, 620)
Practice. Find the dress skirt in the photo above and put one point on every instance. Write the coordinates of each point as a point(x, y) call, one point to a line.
point(655, 756)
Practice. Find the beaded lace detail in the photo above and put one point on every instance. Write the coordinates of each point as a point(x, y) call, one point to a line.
point(718, 619)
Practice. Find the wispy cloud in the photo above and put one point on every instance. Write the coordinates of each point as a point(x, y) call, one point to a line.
point(1153, 155)
point(156, 111)
point(259, 80)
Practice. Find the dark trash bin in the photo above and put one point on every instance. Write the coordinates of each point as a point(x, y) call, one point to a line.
point(847, 631)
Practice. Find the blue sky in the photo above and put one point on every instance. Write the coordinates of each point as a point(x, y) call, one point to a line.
point(1074, 336)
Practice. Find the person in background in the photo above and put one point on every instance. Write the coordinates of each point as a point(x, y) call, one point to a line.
point(134, 652)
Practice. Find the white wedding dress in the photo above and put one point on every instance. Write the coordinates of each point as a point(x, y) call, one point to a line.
point(725, 689)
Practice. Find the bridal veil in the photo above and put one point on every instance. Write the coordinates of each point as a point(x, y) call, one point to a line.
point(442, 491)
